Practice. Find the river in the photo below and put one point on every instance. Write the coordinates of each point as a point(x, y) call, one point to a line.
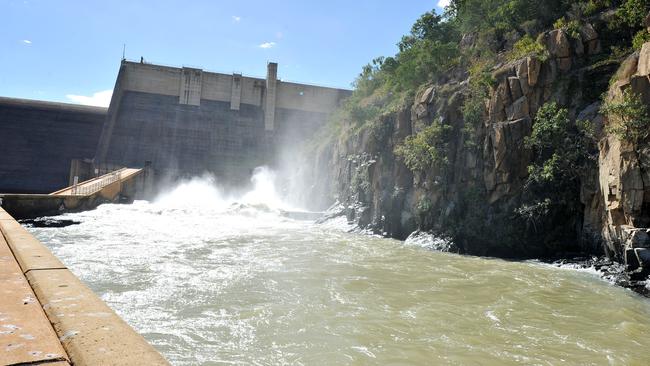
point(212, 280)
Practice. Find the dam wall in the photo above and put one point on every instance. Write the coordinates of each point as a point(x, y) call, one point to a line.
point(179, 121)
point(38, 141)
point(187, 121)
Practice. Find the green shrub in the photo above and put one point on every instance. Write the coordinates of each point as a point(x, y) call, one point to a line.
point(594, 6)
point(527, 46)
point(633, 12)
point(427, 149)
point(628, 118)
point(640, 38)
point(572, 27)
point(472, 110)
point(560, 147)
point(562, 153)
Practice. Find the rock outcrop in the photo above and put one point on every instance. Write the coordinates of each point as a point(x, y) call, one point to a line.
point(475, 196)
point(624, 175)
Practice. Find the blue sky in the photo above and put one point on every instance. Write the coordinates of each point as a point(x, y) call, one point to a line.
point(70, 51)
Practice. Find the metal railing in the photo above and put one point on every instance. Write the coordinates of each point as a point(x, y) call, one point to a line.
point(90, 187)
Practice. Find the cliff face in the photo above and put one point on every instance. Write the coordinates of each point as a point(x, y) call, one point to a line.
point(474, 197)
point(624, 175)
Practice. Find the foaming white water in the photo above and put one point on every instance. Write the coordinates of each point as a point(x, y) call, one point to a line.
point(264, 191)
point(429, 241)
point(204, 192)
point(200, 192)
point(210, 279)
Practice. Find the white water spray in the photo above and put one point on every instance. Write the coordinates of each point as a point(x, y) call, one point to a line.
point(204, 192)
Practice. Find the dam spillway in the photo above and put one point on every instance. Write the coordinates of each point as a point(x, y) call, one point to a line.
point(208, 278)
point(180, 121)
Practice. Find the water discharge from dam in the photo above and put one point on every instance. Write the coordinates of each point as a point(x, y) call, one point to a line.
point(210, 279)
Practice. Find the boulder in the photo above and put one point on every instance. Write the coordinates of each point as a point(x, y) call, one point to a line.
point(640, 84)
point(420, 109)
point(630, 259)
point(643, 67)
point(590, 39)
point(627, 68)
point(643, 256)
point(548, 73)
point(518, 109)
point(521, 71)
point(427, 96)
point(638, 238)
point(557, 43)
point(533, 66)
point(521, 68)
point(507, 141)
point(515, 87)
point(631, 186)
point(500, 99)
point(587, 33)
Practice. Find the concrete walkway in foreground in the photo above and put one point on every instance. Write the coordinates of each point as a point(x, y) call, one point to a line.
point(49, 317)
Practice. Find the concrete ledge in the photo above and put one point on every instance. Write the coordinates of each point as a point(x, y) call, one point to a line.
point(90, 332)
point(26, 335)
point(4, 215)
point(29, 252)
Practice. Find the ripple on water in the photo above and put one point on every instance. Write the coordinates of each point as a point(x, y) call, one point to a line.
point(210, 285)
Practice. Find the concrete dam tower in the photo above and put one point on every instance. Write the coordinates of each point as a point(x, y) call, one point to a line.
point(187, 121)
point(180, 121)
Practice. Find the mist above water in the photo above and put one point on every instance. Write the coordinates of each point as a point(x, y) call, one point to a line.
point(211, 278)
point(205, 192)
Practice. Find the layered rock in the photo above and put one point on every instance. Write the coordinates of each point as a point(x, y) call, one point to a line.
point(487, 172)
point(624, 174)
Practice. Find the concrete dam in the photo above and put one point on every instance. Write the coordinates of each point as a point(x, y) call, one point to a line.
point(179, 121)
point(163, 123)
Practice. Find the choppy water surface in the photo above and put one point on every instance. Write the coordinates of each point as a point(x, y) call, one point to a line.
point(208, 282)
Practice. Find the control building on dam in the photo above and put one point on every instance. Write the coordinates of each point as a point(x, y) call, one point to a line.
point(179, 121)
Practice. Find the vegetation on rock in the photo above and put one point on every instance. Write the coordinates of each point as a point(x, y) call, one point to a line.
point(443, 122)
point(426, 149)
point(629, 119)
point(562, 152)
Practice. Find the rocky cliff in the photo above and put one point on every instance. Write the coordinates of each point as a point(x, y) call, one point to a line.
point(476, 197)
point(624, 176)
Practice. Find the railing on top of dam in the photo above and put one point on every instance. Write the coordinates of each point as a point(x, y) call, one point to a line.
point(96, 185)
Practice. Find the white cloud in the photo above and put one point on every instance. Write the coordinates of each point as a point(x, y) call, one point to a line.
point(443, 3)
point(27, 41)
point(236, 19)
point(99, 99)
point(267, 45)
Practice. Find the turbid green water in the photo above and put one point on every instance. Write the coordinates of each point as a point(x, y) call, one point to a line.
point(209, 283)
